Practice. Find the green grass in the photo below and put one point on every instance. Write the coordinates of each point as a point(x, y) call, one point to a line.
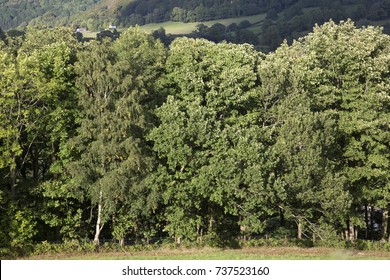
point(181, 28)
point(89, 34)
point(250, 253)
point(177, 28)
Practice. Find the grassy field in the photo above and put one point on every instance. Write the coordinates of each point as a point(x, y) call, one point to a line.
point(256, 253)
point(186, 28)
point(181, 28)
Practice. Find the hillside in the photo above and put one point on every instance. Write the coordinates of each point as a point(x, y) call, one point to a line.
point(281, 19)
point(95, 13)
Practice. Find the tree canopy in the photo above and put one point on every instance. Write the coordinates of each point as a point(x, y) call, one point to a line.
point(200, 142)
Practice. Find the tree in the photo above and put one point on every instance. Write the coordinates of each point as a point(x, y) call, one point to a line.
point(351, 79)
point(301, 144)
point(338, 106)
point(37, 107)
point(208, 126)
point(178, 14)
point(116, 84)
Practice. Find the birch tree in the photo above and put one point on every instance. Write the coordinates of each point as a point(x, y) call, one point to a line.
point(115, 81)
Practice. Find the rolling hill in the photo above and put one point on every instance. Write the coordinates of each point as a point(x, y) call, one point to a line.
point(280, 19)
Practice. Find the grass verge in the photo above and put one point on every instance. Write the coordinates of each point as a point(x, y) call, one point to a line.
point(207, 253)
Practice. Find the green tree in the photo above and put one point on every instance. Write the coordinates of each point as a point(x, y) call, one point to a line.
point(37, 101)
point(210, 144)
point(347, 74)
point(331, 123)
point(116, 82)
point(301, 144)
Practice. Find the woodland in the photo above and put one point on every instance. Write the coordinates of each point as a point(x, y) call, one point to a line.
point(134, 142)
point(283, 19)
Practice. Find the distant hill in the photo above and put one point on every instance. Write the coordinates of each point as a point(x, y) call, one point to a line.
point(96, 14)
point(284, 19)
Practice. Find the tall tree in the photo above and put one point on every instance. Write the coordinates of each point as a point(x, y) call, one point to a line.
point(348, 74)
point(345, 86)
point(209, 142)
point(37, 99)
point(302, 145)
point(115, 81)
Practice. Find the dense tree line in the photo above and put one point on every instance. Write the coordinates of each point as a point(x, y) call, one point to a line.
point(285, 19)
point(151, 11)
point(96, 14)
point(201, 142)
point(148, 11)
point(48, 12)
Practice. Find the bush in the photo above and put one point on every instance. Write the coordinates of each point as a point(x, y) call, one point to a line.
point(367, 245)
point(67, 247)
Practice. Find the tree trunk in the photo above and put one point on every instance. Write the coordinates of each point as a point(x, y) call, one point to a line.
point(351, 232)
point(347, 231)
point(35, 161)
point(356, 232)
point(372, 223)
point(211, 223)
point(281, 214)
point(99, 225)
point(385, 219)
point(198, 233)
point(13, 183)
point(366, 219)
point(299, 229)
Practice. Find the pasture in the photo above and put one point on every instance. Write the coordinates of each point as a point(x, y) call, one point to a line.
point(176, 28)
point(207, 253)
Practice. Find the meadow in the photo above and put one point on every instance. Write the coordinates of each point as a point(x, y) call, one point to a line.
point(208, 253)
point(176, 28)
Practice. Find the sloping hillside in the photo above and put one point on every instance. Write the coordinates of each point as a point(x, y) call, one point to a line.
point(20, 13)
point(96, 14)
point(282, 19)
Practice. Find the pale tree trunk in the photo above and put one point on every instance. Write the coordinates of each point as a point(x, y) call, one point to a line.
point(243, 232)
point(372, 222)
point(366, 219)
point(99, 225)
point(351, 232)
point(385, 219)
point(356, 232)
point(299, 223)
point(199, 233)
point(211, 222)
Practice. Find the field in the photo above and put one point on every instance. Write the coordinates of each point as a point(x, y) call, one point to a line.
point(181, 28)
point(253, 253)
point(186, 28)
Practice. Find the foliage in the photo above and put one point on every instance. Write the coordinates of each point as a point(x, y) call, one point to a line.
point(285, 19)
point(22, 229)
point(202, 143)
point(110, 156)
